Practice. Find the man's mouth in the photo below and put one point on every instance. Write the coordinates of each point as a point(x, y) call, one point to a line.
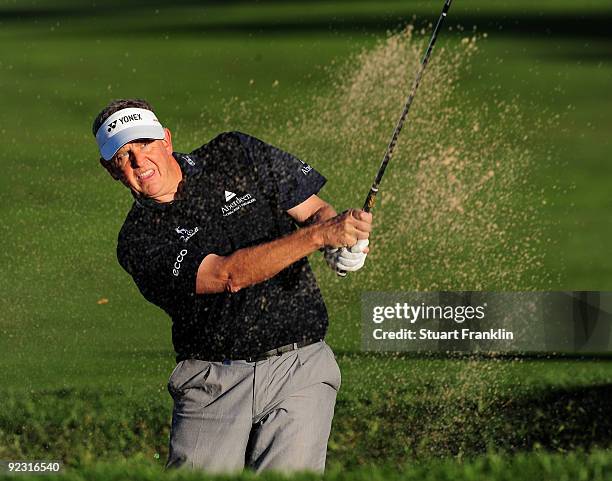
point(147, 174)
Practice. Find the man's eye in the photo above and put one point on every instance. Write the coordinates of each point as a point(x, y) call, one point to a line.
point(120, 159)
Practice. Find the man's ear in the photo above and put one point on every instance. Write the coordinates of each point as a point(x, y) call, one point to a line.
point(167, 141)
point(109, 168)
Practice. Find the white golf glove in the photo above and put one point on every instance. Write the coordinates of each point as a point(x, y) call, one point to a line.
point(346, 259)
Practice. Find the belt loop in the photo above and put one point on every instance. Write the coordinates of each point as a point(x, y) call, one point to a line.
point(295, 346)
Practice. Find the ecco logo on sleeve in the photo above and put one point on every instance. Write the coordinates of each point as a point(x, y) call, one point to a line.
point(177, 264)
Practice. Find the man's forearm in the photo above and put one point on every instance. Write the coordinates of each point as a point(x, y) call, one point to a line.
point(251, 265)
point(255, 264)
point(259, 263)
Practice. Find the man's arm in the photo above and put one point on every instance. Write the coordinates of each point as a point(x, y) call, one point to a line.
point(312, 211)
point(251, 265)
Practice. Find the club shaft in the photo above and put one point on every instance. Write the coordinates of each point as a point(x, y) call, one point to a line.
point(371, 197)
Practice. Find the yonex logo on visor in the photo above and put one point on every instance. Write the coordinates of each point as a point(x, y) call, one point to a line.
point(124, 120)
point(124, 126)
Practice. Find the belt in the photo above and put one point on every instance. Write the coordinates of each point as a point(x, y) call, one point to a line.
point(277, 351)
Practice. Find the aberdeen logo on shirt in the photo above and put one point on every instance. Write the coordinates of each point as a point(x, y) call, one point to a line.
point(234, 202)
point(186, 234)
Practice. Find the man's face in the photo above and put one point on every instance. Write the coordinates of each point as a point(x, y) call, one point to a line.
point(147, 167)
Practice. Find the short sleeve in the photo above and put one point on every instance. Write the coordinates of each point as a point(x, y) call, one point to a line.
point(164, 273)
point(294, 179)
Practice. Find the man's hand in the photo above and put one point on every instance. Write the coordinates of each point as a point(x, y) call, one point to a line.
point(344, 230)
point(346, 240)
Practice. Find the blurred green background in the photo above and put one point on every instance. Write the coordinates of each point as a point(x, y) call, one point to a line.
point(62, 61)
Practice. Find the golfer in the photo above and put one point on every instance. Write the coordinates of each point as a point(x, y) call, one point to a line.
point(219, 238)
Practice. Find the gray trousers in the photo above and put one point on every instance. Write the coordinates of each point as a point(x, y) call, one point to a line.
point(272, 414)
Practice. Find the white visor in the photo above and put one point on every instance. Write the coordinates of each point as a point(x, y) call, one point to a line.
point(123, 127)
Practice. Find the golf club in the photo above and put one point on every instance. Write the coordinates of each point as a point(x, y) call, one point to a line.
point(371, 197)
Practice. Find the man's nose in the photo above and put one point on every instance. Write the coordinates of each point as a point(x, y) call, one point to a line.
point(138, 159)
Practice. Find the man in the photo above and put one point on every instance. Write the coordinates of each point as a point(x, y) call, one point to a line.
point(212, 239)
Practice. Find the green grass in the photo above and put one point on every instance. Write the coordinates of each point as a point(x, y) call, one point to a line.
point(390, 408)
point(69, 363)
point(596, 466)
